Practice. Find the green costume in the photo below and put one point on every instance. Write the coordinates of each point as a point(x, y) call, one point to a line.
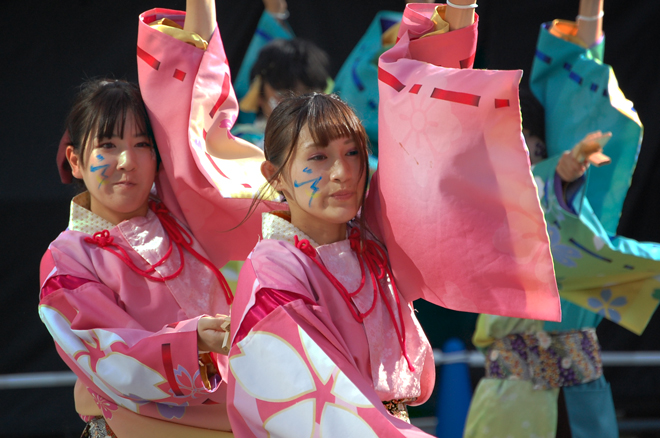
point(605, 275)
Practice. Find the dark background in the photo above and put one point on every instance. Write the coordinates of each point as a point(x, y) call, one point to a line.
point(49, 48)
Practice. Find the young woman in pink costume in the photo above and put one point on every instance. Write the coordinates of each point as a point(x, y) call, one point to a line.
point(325, 341)
point(131, 290)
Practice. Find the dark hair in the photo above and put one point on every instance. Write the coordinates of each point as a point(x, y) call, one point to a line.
point(100, 109)
point(533, 114)
point(285, 63)
point(327, 118)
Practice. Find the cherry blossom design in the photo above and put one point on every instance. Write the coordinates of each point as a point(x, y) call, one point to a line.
point(606, 304)
point(562, 254)
point(93, 353)
point(290, 398)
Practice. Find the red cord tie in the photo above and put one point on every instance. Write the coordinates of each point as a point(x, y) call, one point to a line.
point(101, 238)
point(176, 234)
point(371, 254)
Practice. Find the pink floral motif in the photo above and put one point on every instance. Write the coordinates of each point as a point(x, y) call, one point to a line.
point(106, 406)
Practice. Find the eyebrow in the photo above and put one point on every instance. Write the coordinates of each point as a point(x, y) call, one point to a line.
point(312, 144)
point(139, 134)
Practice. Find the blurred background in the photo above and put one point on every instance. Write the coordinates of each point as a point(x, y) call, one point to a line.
point(49, 48)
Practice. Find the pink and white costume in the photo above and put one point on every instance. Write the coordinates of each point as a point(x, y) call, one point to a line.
point(462, 227)
point(132, 341)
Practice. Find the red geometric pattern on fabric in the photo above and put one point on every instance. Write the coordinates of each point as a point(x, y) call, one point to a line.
point(215, 166)
point(247, 186)
point(150, 60)
point(58, 282)
point(148, 19)
point(389, 79)
point(169, 369)
point(226, 86)
point(178, 74)
point(456, 96)
point(204, 134)
point(415, 88)
point(502, 103)
point(467, 62)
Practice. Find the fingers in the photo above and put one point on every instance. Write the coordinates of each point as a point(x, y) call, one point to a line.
point(213, 334)
point(569, 168)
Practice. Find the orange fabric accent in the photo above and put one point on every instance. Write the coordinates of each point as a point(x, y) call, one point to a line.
point(567, 31)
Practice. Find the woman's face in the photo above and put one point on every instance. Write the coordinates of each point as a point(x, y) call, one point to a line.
point(118, 172)
point(323, 185)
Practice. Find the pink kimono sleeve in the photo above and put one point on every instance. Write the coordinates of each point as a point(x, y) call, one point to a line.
point(187, 92)
point(114, 355)
point(291, 377)
point(455, 201)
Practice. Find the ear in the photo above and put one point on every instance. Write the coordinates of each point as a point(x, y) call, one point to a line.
point(268, 169)
point(75, 162)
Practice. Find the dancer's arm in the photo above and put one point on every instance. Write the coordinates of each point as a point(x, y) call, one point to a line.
point(459, 18)
point(590, 21)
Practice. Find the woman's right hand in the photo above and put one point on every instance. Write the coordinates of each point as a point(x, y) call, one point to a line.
point(213, 334)
point(569, 168)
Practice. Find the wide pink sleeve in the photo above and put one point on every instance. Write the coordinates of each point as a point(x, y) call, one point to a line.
point(188, 92)
point(291, 377)
point(114, 355)
point(454, 199)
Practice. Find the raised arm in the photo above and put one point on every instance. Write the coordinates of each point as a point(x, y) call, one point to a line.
point(200, 17)
point(460, 13)
point(590, 21)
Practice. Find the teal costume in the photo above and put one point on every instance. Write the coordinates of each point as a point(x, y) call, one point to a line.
point(357, 80)
point(605, 275)
point(247, 126)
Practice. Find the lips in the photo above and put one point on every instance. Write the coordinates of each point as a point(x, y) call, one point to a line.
point(343, 195)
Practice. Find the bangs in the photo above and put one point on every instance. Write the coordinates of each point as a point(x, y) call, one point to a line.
point(329, 118)
point(110, 104)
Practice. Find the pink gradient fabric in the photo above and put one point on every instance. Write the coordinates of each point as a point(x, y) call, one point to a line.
point(453, 198)
point(187, 92)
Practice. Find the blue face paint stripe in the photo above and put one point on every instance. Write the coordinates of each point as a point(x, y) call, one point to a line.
point(104, 167)
point(313, 186)
point(307, 170)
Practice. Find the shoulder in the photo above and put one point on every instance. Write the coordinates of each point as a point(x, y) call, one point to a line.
point(280, 265)
point(69, 255)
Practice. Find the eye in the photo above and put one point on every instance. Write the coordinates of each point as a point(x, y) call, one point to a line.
point(144, 144)
point(353, 153)
point(106, 145)
point(317, 157)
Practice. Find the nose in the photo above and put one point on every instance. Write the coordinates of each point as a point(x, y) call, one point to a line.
point(341, 170)
point(127, 161)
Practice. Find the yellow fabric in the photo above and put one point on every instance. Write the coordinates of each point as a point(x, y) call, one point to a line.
point(390, 35)
point(82, 219)
point(490, 328)
point(511, 408)
point(640, 301)
point(169, 27)
point(567, 30)
point(250, 102)
point(438, 18)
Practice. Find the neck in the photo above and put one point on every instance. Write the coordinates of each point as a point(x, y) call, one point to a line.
point(321, 232)
point(115, 217)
